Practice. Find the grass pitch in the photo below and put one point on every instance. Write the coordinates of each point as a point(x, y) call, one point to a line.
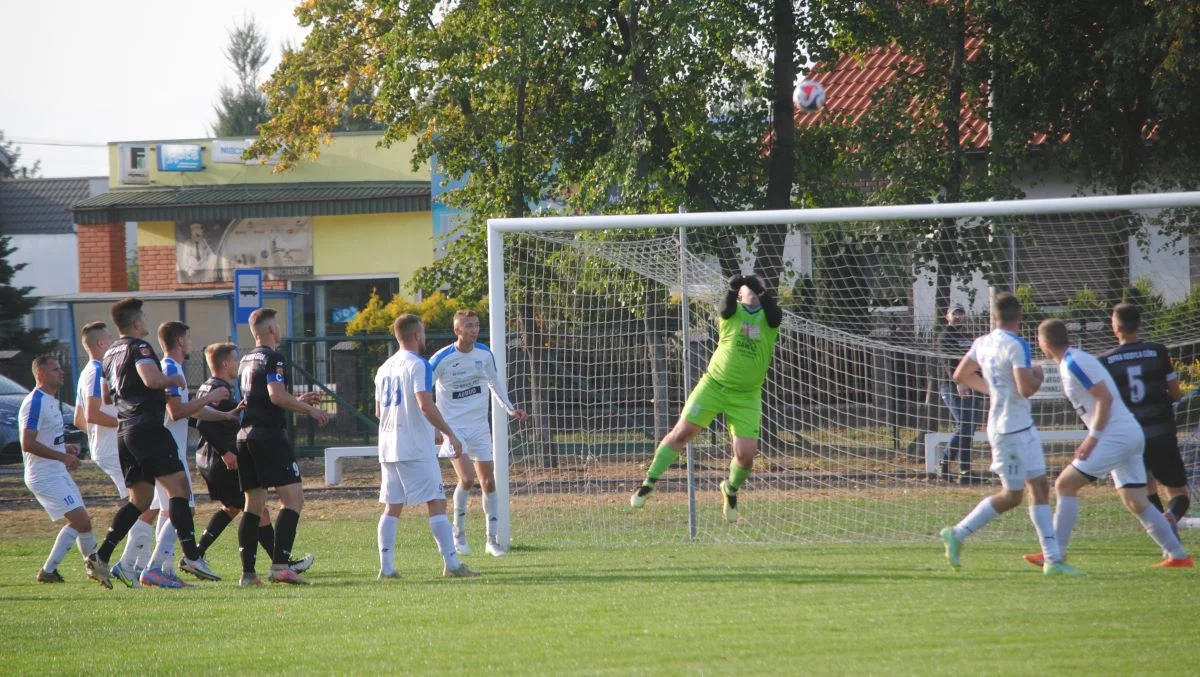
point(565, 606)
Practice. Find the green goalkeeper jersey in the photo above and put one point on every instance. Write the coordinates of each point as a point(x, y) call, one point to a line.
point(744, 350)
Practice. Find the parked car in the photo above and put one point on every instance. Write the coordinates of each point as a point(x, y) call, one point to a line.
point(11, 395)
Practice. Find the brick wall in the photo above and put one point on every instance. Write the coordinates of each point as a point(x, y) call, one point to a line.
point(157, 272)
point(102, 257)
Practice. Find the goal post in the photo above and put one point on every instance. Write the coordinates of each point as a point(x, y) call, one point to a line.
point(600, 324)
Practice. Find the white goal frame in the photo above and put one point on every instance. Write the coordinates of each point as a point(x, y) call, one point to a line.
point(496, 227)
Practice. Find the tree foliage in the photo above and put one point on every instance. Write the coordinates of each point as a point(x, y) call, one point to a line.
point(436, 312)
point(15, 304)
point(12, 167)
point(242, 107)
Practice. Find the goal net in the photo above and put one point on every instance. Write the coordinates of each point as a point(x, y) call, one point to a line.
point(602, 324)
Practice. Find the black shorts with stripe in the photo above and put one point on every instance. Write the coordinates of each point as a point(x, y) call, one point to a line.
point(266, 463)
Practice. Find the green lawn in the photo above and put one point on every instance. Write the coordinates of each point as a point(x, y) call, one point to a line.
point(567, 606)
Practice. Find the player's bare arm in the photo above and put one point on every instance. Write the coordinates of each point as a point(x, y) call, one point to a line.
point(30, 445)
point(967, 374)
point(200, 408)
point(1028, 379)
point(154, 377)
point(92, 414)
point(281, 398)
point(425, 402)
point(1104, 403)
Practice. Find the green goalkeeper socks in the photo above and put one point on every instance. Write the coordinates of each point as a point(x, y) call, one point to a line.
point(737, 474)
point(664, 456)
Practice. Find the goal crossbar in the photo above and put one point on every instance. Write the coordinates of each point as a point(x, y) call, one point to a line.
point(948, 210)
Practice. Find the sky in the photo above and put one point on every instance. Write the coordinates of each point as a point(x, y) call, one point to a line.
point(87, 72)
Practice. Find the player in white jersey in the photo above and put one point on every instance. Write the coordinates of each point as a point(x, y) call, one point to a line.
point(48, 462)
point(1114, 444)
point(407, 457)
point(1000, 364)
point(176, 342)
point(91, 413)
point(464, 373)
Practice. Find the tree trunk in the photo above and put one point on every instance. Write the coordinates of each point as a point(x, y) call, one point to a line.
point(781, 166)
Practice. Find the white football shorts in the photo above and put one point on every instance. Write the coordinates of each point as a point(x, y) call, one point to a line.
point(58, 495)
point(477, 444)
point(411, 482)
point(162, 500)
point(1119, 451)
point(111, 465)
point(1017, 458)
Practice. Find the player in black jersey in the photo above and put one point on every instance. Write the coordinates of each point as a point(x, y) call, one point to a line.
point(265, 457)
point(1149, 387)
point(216, 456)
point(136, 385)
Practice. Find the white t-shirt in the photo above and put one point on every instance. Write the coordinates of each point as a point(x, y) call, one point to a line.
point(40, 411)
point(462, 381)
point(1081, 371)
point(179, 429)
point(404, 432)
point(101, 438)
point(998, 353)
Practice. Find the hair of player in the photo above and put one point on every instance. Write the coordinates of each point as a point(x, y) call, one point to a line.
point(260, 318)
point(216, 354)
point(170, 332)
point(405, 327)
point(42, 361)
point(1006, 307)
point(1054, 332)
point(462, 314)
point(91, 330)
point(126, 312)
point(1129, 317)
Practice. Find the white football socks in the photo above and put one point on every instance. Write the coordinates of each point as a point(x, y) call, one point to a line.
point(386, 534)
point(1156, 525)
point(976, 519)
point(86, 543)
point(1065, 515)
point(489, 510)
point(443, 534)
point(1043, 523)
point(137, 547)
point(164, 547)
point(62, 543)
point(461, 498)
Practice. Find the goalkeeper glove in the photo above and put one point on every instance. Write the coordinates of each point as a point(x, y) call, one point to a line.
point(754, 284)
point(736, 282)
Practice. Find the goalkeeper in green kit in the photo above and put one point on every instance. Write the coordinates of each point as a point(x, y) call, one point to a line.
point(731, 385)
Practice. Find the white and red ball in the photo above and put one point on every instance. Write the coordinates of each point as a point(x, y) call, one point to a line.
point(809, 95)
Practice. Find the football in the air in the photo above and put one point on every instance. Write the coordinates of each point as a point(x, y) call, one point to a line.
point(809, 95)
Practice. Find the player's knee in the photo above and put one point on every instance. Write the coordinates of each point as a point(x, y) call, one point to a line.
point(80, 522)
point(487, 484)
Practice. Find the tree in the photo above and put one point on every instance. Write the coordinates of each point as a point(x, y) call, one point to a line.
point(15, 304)
point(610, 106)
point(241, 109)
point(10, 158)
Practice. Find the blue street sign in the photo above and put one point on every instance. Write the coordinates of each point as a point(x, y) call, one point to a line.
point(247, 292)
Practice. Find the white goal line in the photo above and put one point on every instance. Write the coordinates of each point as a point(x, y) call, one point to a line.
point(836, 214)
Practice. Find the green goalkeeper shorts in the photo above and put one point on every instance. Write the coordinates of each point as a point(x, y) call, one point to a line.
point(742, 409)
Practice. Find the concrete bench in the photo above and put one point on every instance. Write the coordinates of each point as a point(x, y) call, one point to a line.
point(933, 440)
point(333, 461)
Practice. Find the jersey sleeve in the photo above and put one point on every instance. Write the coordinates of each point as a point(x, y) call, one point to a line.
point(170, 369)
point(1019, 353)
point(144, 353)
point(276, 369)
point(423, 377)
point(1088, 373)
point(30, 416)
